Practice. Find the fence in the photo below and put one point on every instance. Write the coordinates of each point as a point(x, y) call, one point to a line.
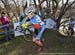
point(2, 32)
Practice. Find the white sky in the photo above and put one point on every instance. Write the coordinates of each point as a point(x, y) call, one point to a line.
point(60, 3)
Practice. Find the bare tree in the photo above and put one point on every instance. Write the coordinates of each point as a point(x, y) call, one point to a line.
point(63, 10)
point(6, 5)
point(24, 5)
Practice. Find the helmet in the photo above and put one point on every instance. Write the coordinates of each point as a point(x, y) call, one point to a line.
point(29, 10)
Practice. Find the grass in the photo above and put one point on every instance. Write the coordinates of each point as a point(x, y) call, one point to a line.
point(55, 43)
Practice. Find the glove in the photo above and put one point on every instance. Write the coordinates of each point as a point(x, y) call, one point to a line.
point(25, 25)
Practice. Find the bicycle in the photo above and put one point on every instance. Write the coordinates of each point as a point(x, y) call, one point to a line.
point(26, 29)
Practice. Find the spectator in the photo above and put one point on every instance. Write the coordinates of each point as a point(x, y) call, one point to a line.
point(71, 25)
point(5, 20)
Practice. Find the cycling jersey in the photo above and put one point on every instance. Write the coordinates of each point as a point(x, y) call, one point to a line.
point(36, 20)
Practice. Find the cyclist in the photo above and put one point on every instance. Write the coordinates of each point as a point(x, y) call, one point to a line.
point(38, 25)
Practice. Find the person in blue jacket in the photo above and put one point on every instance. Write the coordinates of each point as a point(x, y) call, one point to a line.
point(38, 25)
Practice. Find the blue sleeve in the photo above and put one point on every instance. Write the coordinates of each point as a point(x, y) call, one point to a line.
point(38, 19)
point(38, 37)
point(24, 20)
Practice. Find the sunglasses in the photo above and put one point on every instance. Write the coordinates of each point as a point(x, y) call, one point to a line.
point(31, 13)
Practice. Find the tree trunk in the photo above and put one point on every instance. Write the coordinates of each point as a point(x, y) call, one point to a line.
point(63, 10)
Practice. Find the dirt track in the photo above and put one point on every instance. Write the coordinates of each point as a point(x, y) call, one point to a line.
point(55, 43)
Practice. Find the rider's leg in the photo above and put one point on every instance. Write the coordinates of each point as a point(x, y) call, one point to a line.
point(72, 31)
point(34, 35)
point(38, 38)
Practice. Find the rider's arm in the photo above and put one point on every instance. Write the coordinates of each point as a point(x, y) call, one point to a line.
point(38, 19)
point(25, 24)
point(40, 33)
point(24, 20)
